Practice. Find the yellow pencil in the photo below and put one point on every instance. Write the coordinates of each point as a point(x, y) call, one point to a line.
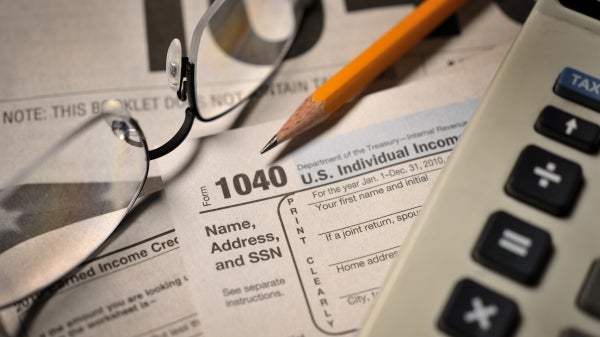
point(357, 74)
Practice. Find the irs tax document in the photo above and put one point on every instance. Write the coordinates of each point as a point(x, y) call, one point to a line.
point(298, 242)
point(61, 59)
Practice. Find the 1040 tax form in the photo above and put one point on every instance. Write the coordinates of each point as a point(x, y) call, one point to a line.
point(298, 242)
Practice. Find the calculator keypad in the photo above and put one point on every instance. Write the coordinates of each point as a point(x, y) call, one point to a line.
point(590, 8)
point(578, 87)
point(589, 297)
point(520, 250)
point(514, 248)
point(545, 180)
point(574, 333)
point(569, 129)
point(476, 311)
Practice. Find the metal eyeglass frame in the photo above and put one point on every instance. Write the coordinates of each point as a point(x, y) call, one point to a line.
point(186, 88)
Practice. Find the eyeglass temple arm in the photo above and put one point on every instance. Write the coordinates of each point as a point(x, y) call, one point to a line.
point(177, 139)
point(185, 128)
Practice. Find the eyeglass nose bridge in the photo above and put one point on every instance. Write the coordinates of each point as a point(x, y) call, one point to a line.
point(177, 69)
point(119, 120)
point(182, 79)
point(125, 131)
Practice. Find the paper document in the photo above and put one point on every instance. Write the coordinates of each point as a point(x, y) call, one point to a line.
point(298, 242)
point(137, 286)
point(61, 59)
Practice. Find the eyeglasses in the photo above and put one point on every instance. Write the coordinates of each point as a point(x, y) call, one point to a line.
point(63, 205)
point(247, 42)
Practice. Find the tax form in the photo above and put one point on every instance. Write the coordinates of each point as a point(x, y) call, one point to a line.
point(61, 59)
point(298, 242)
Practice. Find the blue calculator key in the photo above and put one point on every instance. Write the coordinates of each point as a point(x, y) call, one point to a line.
point(579, 87)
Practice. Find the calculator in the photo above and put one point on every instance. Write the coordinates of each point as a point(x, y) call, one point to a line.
point(508, 243)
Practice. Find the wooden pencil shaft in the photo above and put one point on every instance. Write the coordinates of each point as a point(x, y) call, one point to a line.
point(361, 71)
point(307, 115)
point(357, 74)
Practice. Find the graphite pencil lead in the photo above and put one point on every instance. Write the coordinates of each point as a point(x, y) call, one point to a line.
point(271, 144)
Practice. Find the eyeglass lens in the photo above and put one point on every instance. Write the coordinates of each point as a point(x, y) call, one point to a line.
point(240, 46)
point(55, 217)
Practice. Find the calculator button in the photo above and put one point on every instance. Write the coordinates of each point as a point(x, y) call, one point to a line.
point(568, 129)
point(589, 297)
point(578, 87)
point(514, 248)
point(545, 180)
point(574, 333)
point(475, 311)
point(587, 7)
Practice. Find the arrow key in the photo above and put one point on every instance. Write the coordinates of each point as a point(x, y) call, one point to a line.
point(569, 129)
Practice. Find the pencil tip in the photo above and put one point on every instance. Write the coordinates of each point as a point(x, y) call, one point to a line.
point(271, 144)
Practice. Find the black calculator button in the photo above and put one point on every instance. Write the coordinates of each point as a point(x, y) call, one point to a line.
point(514, 248)
point(568, 129)
point(545, 180)
point(476, 311)
point(590, 8)
point(574, 333)
point(589, 297)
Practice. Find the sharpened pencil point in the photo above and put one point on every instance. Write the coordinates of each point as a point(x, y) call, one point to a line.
point(271, 144)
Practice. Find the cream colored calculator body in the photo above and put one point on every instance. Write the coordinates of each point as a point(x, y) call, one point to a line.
point(508, 243)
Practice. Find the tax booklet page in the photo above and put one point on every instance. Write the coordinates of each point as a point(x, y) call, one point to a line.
point(297, 242)
point(62, 59)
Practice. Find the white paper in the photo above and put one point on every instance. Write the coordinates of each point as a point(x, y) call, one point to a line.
point(60, 59)
point(297, 242)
